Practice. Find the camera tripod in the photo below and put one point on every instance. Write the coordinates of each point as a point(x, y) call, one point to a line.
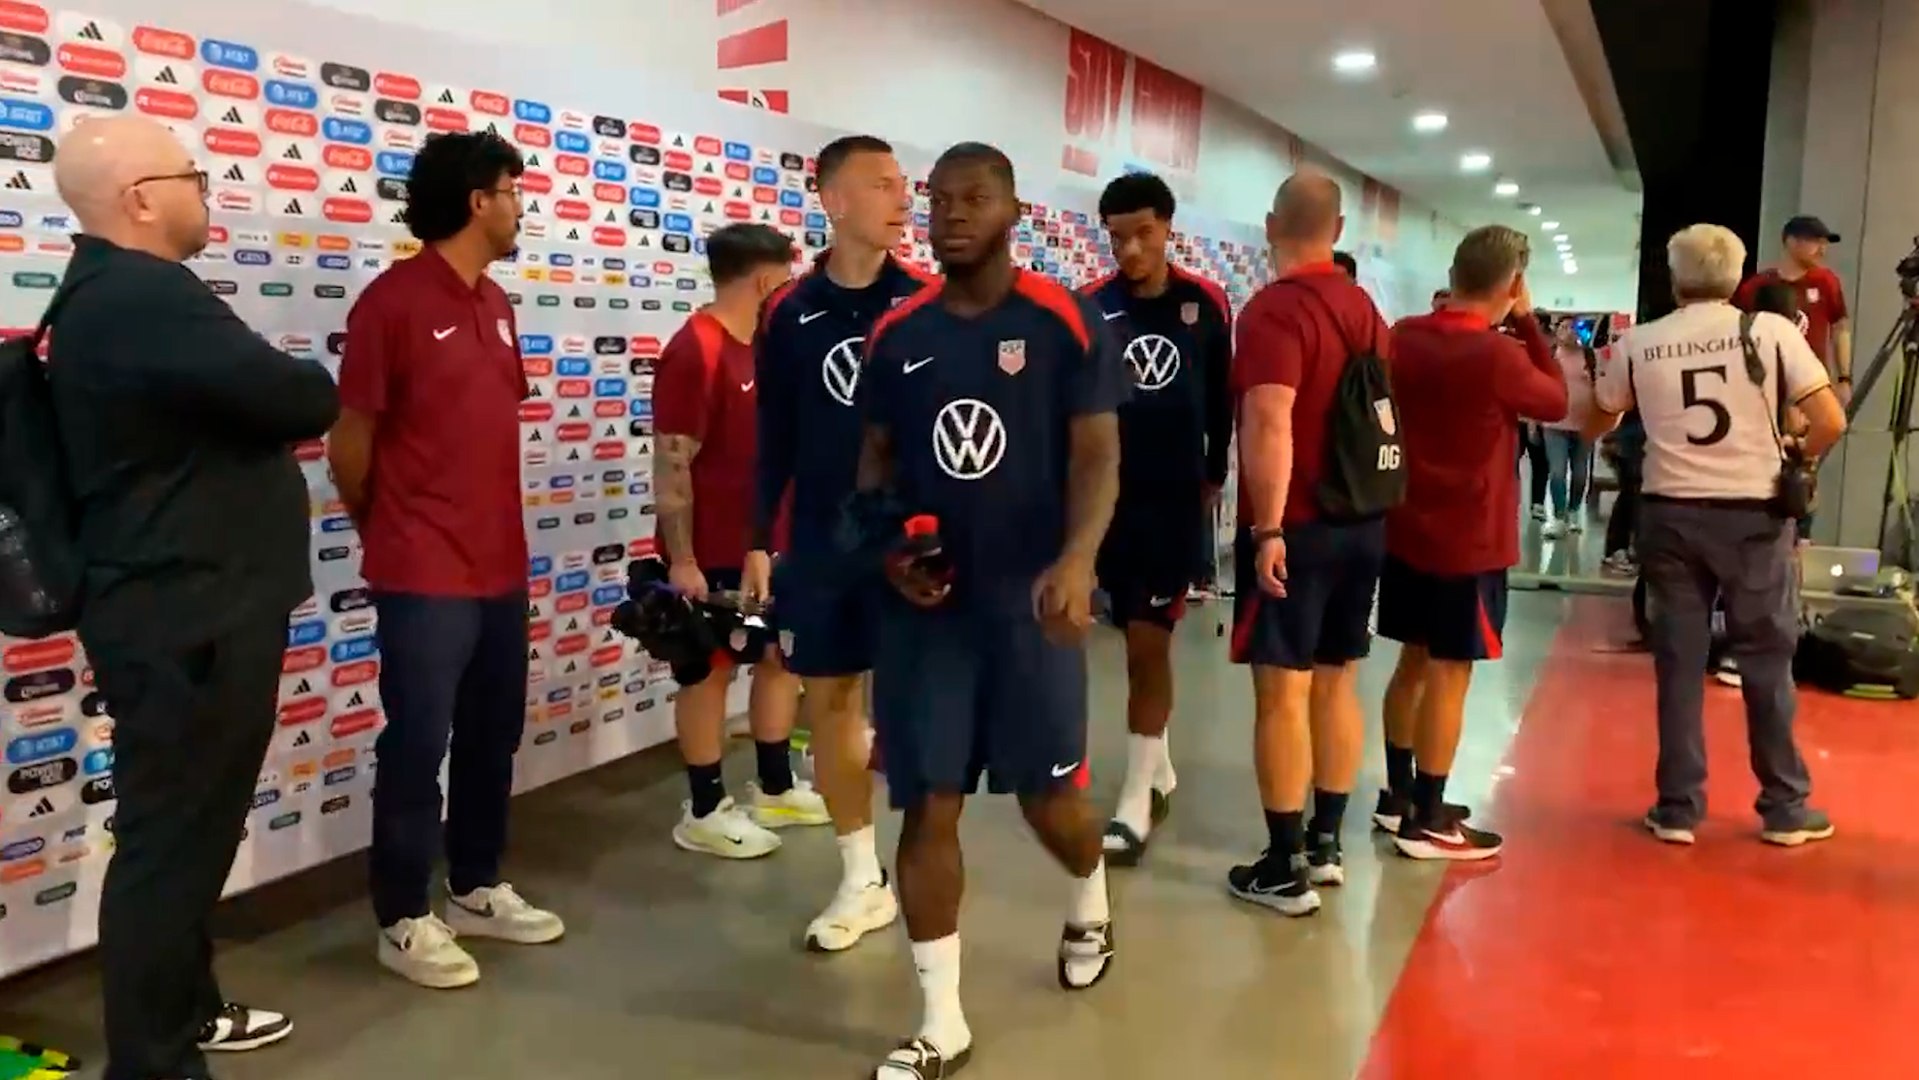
point(1896, 507)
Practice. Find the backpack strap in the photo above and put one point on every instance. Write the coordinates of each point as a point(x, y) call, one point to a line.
point(1339, 326)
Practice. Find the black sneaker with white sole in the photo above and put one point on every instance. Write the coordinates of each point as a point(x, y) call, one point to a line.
point(1121, 845)
point(1446, 837)
point(1085, 955)
point(1392, 809)
point(919, 1059)
point(1808, 826)
point(1668, 827)
point(1325, 864)
point(237, 1027)
point(1275, 882)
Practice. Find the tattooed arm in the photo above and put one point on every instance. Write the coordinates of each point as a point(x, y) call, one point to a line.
point(673, 488)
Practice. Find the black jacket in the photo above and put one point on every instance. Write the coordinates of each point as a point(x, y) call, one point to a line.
point(178, 423)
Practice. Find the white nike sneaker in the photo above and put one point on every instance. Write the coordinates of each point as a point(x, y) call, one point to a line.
point(727, 832)
point(423, 951)
point(856, 911)
point(799, 805)
point(502, 914)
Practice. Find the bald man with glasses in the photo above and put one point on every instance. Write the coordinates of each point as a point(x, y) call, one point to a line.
point(174, 417)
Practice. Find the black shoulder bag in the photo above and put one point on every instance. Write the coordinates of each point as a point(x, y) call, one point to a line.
point(1797, 485)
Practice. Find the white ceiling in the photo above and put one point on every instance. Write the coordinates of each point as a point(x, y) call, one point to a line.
point(1497, 68)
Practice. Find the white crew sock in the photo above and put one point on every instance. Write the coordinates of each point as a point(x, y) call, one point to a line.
point(1144, 757)
point(1165, 780)
point(859, 859)
point(1089, 906)
point(943, 1023)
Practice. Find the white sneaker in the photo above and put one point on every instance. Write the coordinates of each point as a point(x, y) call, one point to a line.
point(240, 1027)
point(800, 805)
point(1575, 524)
point(726, 832)
point(502, 914)
point(423, 952)
point(1553, 530)
point(856, 911)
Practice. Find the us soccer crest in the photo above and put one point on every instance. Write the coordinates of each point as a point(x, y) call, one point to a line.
point(1388, 423)
point(1189, 312)
point(506, 332)
point(1012, 356)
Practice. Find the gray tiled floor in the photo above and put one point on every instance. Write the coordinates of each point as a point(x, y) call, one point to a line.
point(677, 966)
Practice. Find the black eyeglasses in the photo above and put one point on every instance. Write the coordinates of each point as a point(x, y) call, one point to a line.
point(198, 176)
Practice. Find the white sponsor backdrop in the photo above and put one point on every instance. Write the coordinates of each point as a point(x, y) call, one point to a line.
point(307, 149)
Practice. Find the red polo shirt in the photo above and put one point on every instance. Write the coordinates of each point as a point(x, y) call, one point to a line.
point(1822, 303)
point(1462, 388)
point(437, 362)
point(705, 387)
point(1299, 331)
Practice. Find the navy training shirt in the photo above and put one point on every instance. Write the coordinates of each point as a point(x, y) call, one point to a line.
point(1178, 348)
point(808, 357)
point(979, 411)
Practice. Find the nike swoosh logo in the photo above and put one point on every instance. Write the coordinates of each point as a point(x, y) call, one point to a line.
point(915, 365)
point(442, 335)
point(747, 387)
point(810, 316)
point(1064, 770)
point(1111, 315)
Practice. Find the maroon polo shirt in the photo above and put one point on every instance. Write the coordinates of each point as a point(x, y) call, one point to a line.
point(1462, 387)
point(437, 363)
point(705, 387)
point(1299, 332)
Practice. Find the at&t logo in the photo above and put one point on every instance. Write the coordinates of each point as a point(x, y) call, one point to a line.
point(840, 370)
point(969, 439)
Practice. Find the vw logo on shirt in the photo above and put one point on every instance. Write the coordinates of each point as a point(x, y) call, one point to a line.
point(1155, 361)
point(969, 439)
point(840, 370)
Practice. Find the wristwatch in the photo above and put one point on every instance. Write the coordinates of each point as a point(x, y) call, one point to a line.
point(1260, 536)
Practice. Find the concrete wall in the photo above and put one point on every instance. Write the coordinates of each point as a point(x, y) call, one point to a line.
point(1843, 143)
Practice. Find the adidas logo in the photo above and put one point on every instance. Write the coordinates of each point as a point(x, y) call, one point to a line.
point(533, 207)
point(293, 153)
point(235, 174)
point(19, 182)
point(41, 808)
point(573, 188)
point(91, 32)
point(232, 116)
point(572, 234)
point(399, 217)
point(302, 739)
point(356, 701)
point(611, 217)
point(533, 161)
point(294, 207)
point(305, 687)
point(349, 187)
point(446, 97)
point(167, 76)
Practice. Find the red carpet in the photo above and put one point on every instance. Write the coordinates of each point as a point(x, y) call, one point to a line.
point(1590, 950)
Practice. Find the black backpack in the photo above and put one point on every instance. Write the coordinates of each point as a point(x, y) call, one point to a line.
point(39, 559)
point(1364, 474)
point(1855, 649)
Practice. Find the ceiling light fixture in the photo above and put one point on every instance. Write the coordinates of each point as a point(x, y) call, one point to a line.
point(1430, 123)
point(1561, 238)
point(1506, 189)
point(1569, 266)
point(1475, 161)
point(1355, 62)
point(1535, 210)
point(1549, 226)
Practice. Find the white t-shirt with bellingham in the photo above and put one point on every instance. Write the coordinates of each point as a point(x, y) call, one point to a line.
point(1710, 432)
